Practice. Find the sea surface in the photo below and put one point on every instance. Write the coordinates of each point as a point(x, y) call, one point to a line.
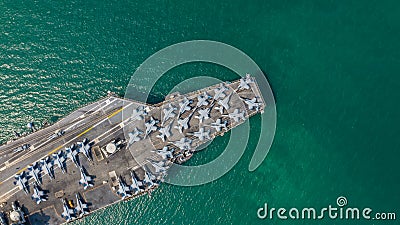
point(334, 67)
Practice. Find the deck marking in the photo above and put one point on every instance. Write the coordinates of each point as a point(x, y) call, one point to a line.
point(84, 132)
point(21, 170)
point(115, 113)
point(83, 115)
point(56, 149)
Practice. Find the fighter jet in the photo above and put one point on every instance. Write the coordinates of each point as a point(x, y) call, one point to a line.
point(244, 82)
point(22, 182)
point(236, 115)
point(138, 113)
point(81, 208)
point(59, 159)
point(85, 181)
point(202, 135)
point(22, 148)
point(203, 115)
point(85, 148)
point(58, 133)
point(150, 126)
point(184, 106)
point(202, 100)
point(165, 132)
point(34, 171)
point(47, 167)
point(147, 180)
point(224, 104)
point(164, 153)
point(159, 167)
point(219, 92)
point(123, 190)
point(72, 153)
point(68, 214)
point(168, 113)
point(183, 143)
point(217, 125)
point(38, 195)
point(134, 186)
point(183, 124)
point(134, 135)
point(253, 104)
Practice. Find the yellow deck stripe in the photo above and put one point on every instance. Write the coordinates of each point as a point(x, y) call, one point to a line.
point(115, 113)
point(84, 132)
point(48, 154)
point(21, 170)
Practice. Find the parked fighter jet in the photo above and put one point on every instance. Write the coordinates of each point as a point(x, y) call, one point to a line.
point(81, 208)
point(72, 153)
point(47, 167)
point(168, 113)
point(150, 126)
point(224, 104)
point(252, 104)
point(138, 113)
point(183, 124)
point(22, 148)
point(34, 171)
point(184, 106)
point(134, 186)
point(58, 133)
point(159, 167)
point(165, 132)
point(59, 159)
point(202, 135)
point(217, 125)
point(68, 214)
point(85, 181)
point(123, 190)
point(85, 148)
point(38, 195)
point(22, 182)
point(202, 100)
point(164, 153)
point(147, 180)
point(134, 135)
point(236, 115)
point(203, 115)
point(244, 82)
point(219, 92)
point(183, 143)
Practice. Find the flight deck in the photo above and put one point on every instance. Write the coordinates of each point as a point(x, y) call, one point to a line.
point(114, 150)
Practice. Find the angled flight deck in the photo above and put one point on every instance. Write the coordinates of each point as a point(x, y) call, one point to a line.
point(114, 149)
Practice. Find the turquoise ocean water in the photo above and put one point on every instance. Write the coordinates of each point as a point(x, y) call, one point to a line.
point(334, 67)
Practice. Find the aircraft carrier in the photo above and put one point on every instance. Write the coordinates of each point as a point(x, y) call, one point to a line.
point(113, 150)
